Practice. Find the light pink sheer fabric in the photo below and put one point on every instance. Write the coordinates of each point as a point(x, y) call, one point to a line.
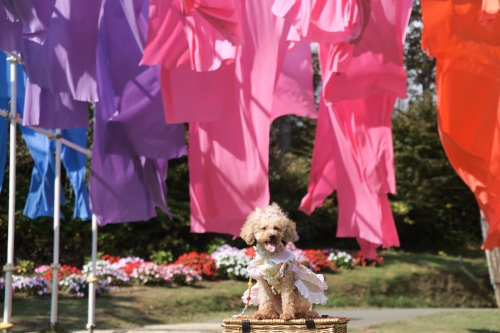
point(228, 157)
point(201, 34)
point(309, 284)
point(353, 149)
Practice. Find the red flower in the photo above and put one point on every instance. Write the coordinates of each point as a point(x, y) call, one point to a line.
point(129, 268)
point(318, 259)
point(250, 252)
point(202, 263)
point(65, 270)
point(111, 259)
point(359, 259)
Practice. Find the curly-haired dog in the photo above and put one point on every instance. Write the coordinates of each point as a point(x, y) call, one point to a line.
point(285, 288)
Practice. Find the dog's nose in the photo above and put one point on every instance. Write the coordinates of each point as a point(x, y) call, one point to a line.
point(272, 237)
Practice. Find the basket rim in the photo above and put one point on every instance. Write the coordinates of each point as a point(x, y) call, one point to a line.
point(317, 321)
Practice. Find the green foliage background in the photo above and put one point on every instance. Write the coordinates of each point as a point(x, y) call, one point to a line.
point(433, 208)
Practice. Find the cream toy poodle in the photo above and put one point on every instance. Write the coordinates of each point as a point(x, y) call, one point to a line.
point(285, 288)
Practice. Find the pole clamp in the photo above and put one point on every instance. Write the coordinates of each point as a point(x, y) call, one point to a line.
point(9, 268)
point(12, 59)
point(55, 266)
point(92, 279)
point(55, 136)
point(6, 326)
point(9, 115)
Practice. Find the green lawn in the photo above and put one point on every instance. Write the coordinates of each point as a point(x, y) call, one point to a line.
point(447, 322)
point(406, 280)
point(413, 280)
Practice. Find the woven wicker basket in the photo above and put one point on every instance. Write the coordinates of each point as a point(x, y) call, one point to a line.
point(320, 325)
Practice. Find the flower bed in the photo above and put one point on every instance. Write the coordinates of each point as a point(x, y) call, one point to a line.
point(231, 263)
point(359, 260)
point(225, 262)
point(32, 285)
point(202, 263)
point(340, 259)
point(77, 285)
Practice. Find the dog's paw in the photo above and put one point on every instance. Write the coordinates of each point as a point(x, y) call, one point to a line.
point(263, 315)
point(313, 314)
point(287, 316)
point(302, 315)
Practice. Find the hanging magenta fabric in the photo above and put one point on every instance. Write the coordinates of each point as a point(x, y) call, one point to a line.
point(228, 158)
point(201, 34)
point(340, 23)
point(467, 48)
point(214, 91)
point(189, 38)
point(294, 91)
point(353, 148)
point(377, 64)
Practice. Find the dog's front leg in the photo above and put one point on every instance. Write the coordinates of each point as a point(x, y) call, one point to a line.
point(266, 308)
point(288, 296)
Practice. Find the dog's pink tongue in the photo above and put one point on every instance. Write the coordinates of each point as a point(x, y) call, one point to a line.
point(270, 246)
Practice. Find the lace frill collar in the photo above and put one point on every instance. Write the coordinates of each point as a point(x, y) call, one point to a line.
point(277, 258)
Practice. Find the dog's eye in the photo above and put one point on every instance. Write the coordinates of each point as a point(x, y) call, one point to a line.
point(276, 228)
point(264, 228)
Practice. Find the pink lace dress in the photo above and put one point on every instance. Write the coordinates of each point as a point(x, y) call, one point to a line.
point(264, 270)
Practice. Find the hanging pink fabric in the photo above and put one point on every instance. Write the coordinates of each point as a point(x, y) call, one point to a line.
point(216, 95)
point(294, 91)
point(340, 23)
point(201, 34)
point(353, 149)
point(214, 91)
point(228, 158)
point(377, 64)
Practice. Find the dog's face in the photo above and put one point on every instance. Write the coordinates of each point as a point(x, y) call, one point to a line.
point(268, 227)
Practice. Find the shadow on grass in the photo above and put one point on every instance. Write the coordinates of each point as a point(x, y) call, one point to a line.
point(419, 259)
point(127, 308)
point(482, 331)
point(427, 286)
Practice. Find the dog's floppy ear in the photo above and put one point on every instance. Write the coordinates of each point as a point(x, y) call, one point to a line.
point(247, 229)
point(289, 232)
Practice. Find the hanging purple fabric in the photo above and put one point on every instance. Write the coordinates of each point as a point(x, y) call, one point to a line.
point(126, 183)
point(11, 33)
point(138, 94)
point(35, 14)
point(66, 61)
point(53, 110)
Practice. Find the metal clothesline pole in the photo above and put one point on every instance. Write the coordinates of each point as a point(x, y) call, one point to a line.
point(92, 279)
point(57, 223)
point(9, 266)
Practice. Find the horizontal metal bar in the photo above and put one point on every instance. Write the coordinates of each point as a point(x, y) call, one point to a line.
point(51, 135)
